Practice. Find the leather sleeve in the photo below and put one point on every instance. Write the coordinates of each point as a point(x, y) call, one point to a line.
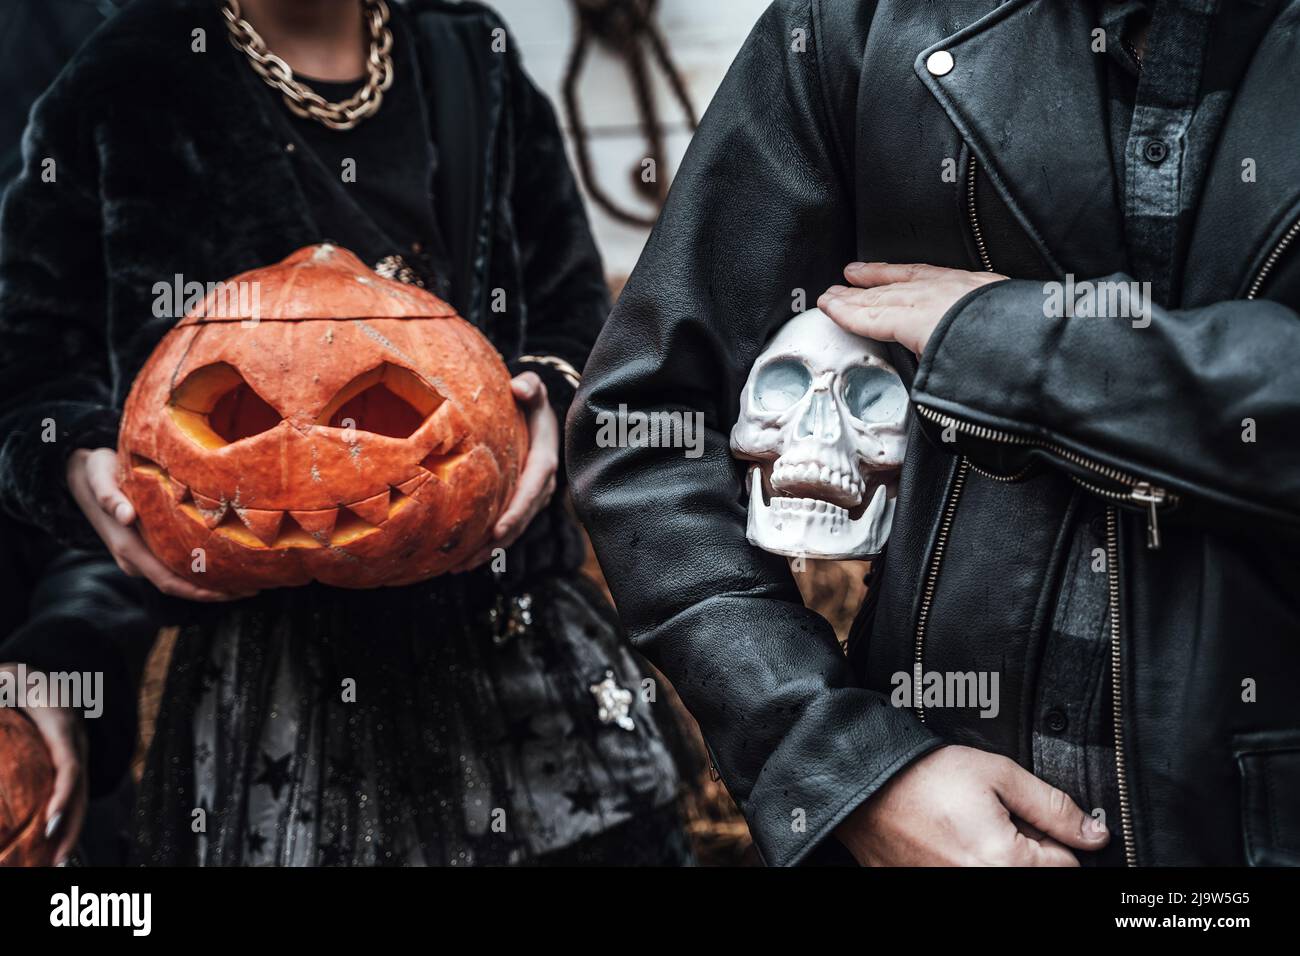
point(1175, 403)
point(759, 211)
point(55, 379)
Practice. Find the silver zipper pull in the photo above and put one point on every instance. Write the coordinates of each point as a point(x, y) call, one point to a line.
point(1151, 496)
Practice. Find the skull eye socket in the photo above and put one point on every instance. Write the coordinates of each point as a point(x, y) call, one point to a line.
point(874, 394)
point(387, 400)
point(214, 407)
point(780, 384)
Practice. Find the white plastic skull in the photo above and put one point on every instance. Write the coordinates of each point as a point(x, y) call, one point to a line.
point(824, 417)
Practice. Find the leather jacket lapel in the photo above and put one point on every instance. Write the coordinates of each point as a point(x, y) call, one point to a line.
point(1026, 92)
point(1242, 220)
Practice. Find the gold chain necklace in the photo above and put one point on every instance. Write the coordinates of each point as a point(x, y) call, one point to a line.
point(301, 99)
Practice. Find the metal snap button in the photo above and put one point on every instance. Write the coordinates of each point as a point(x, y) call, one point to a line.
point(939, 63)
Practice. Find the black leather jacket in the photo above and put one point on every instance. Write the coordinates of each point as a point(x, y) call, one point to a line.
point(824, 145)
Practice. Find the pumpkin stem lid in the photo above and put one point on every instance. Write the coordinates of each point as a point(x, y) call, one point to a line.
point(323, 281)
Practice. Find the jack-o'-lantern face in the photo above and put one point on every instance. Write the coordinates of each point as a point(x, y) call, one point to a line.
point(356, 432)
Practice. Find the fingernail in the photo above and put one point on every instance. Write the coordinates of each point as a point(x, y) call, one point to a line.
point(856, 265)
point(123, 512)
point(52, 825)
point(1094, 829)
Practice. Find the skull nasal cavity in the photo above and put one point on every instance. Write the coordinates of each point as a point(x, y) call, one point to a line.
point(387, 400)
point(819, 420)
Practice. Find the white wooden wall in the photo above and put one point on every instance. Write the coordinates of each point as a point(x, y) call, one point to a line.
point(703, 37)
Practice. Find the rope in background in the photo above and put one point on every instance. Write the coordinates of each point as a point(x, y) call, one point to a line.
point(625, 28)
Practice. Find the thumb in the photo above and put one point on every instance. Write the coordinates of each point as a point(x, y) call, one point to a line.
point(101, 473)
point(528, 387)
point(1048, 809)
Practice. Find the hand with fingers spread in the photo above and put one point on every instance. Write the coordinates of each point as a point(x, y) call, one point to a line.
point(65, 735)
point(958, 806)
point(537, 480)
point(899, 303)
point(92, 479)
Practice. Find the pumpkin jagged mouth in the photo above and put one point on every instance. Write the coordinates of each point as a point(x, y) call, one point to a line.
point(344, 524)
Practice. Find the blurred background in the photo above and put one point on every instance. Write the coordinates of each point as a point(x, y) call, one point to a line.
point(699, 41)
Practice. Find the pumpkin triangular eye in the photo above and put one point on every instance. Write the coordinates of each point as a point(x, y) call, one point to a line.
point(214, 406)
point(387, 400)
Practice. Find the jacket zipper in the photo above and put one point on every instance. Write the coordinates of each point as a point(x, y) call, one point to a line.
point(1267, 268)
point(1117, 685)
point(959, 480)
point(1140, 491)
point(972, 168)
point(981, 247)
point(931, 581)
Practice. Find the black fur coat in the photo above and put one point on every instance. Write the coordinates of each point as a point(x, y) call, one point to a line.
point(149, 157)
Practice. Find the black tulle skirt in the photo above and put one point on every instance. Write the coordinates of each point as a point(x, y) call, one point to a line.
point(447, 723)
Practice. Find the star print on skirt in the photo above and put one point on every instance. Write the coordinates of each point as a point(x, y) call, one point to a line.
point(315, 726)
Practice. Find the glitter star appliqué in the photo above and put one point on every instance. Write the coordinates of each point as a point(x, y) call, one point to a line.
point(613, 703)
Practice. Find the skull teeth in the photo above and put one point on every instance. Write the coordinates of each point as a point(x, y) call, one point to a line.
point(810, 505)
point(808, 476)
point(809, 527)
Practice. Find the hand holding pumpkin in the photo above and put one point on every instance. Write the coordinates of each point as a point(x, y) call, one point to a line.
point(348, 429)
point(64, 735)
point(537, 479)
point(92, 479)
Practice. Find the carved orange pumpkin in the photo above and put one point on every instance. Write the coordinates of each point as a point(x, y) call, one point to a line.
point(26, 784)
point(315, 421)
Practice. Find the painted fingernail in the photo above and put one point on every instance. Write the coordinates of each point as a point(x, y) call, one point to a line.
point(52, 825)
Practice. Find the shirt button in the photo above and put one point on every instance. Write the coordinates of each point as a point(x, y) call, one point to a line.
point(939, 63)
point(1156, 152)
point(1057, 721)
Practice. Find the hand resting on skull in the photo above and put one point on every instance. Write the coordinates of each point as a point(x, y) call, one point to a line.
point(823, 416)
